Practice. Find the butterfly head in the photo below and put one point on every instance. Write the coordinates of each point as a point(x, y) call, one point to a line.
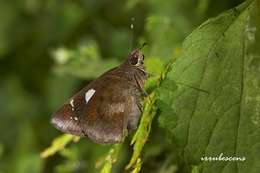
point(136, 59)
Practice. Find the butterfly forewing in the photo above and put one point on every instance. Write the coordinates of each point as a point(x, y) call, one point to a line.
point(108, 106)
point(99, 111)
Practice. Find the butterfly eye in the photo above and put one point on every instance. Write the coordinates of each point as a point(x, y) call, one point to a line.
point(134, 60)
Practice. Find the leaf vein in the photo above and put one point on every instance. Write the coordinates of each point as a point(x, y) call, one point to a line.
point(221, 35)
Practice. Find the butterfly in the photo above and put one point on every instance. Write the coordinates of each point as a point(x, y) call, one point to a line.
point(109, 107)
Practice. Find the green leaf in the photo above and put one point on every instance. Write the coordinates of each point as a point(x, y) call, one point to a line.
point(58, 144)
point(142, 133)
point(222, 57)
point(168, 118)
point(111, 158)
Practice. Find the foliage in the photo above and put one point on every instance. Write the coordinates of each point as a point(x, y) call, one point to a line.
point(223, 120)
point(58, 144)
point(203, 97)
point(74, 62)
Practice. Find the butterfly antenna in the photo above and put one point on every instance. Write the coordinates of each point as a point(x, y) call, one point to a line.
point(132, 34)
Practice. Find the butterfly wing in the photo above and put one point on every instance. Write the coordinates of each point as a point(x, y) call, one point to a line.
point(99, 111)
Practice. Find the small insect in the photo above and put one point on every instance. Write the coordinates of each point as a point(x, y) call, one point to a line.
point(108, 107)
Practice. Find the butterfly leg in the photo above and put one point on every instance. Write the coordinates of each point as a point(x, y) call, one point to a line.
point(140, 106)
point(84, 133)
point(140, 87)
point(144, 93)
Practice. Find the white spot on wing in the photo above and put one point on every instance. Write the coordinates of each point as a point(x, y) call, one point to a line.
point(76, 118)
point(89, 94)
point(72, 104)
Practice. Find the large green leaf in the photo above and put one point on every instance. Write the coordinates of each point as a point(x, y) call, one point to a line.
point(222, 57)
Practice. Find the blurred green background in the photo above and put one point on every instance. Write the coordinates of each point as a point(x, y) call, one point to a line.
point(50, 49)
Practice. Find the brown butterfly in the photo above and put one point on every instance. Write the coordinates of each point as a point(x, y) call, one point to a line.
point(107, 107)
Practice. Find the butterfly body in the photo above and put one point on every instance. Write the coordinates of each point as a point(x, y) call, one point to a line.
point(108, 106)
